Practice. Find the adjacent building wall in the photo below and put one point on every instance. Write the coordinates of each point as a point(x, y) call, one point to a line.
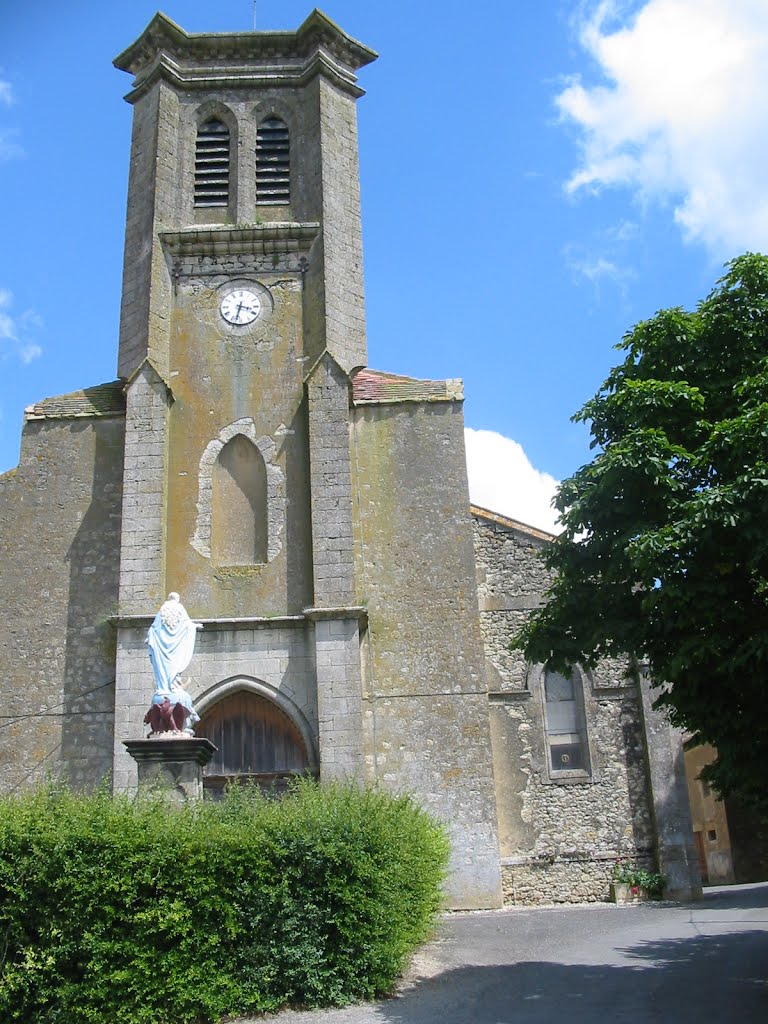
point(731, 840)
point(709, 820)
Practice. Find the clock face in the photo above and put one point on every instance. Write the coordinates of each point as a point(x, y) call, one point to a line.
point(241, 306)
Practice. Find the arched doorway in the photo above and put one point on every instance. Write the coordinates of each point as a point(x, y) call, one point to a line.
point(257, 742)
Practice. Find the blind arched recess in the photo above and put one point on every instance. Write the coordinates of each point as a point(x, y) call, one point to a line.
point(239, 524)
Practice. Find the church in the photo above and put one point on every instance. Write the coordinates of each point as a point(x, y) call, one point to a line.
point(312, 512)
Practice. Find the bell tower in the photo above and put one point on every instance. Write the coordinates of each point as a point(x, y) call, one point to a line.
point(242, 316)
point(244, 131)
point(243, 266)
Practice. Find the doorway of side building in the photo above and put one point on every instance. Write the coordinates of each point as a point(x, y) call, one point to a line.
point(256, 742)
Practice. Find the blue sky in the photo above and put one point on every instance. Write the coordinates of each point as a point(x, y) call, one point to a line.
point(536, 178)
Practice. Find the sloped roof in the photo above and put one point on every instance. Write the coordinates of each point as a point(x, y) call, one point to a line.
point(374, 387)
point(511, 524)
point(101, 400)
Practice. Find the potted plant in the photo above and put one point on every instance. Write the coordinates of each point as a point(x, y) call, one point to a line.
point(632, 884)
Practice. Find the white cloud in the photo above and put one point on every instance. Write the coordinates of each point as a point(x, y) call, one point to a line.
point(502, 479)
point(681, 113)
point(9, 149)
point(596, 267)
point(17, 331)
point(7, 327)
point(28, 353)
point(624, 231)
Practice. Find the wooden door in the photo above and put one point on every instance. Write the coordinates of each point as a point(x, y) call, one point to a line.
point(256, 741)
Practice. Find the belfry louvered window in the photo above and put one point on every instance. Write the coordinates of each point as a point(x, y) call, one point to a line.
point(212, 164)
point(273, 181)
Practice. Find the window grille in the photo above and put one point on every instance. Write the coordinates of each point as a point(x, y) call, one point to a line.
point(212, 164)
point(273, 183)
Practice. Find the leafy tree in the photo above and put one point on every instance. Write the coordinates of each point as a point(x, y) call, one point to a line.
point(664, 554)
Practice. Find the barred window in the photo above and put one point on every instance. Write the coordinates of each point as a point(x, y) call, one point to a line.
point(273, 181)
point(212, 164)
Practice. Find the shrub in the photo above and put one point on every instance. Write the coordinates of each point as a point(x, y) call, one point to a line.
point(639, 878)
point(133, 911)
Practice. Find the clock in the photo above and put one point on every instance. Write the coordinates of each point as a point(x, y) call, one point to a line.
point(240, 307)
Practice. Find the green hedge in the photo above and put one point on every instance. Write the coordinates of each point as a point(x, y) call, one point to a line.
point(132, 911)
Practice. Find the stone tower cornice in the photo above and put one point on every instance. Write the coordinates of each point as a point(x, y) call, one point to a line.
point(236, 59)
point(226, 240)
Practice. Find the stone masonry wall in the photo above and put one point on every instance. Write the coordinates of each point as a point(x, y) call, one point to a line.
point(246, 380)
point(142, 562)
point(342, 238)
point(59, 558)
point(337, 638)
point(330, 478)
point(152, 203)
point(426, 704)
point(339, 697)
point(134, 313)
point(559, 834)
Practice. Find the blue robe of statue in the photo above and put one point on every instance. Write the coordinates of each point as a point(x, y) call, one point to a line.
point(171, 643)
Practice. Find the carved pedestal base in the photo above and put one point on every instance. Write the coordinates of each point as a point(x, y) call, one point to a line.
point(174, 766)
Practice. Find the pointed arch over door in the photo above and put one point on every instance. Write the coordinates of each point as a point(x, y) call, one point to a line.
point(257, 741)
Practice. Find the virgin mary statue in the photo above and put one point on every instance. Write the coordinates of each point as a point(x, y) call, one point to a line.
point(171, 643)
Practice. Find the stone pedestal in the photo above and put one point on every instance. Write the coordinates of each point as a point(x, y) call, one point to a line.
point(173, 765)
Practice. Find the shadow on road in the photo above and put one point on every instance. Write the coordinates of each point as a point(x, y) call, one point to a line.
point(702, 979)
point(702, 962)
point(732, 897)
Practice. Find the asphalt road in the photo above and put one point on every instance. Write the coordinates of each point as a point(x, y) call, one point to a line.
point(700, 962)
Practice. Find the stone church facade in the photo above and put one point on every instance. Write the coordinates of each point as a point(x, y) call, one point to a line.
point(313, 514)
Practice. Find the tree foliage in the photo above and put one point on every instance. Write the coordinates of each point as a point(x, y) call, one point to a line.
point(664, 554)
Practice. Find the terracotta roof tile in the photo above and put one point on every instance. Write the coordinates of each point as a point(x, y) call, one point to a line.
point(372, 386)
point(101, 400)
